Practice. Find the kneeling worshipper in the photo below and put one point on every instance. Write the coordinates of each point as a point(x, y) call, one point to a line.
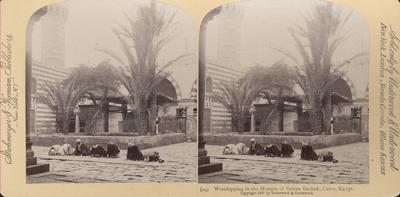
point(134, 153)
point(98, 151)
point(272, 151)
point(286, 149)
point(308, 153)
point(255, 148)
point(65, 149)
point(238, 149)
point(152, 157)
point(81, 149)
point(112, 150)
point(326, 156)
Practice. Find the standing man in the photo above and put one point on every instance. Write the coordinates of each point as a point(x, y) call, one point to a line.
point(157, 122)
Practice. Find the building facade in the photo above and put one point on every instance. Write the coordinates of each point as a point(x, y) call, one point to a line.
point(50, 66)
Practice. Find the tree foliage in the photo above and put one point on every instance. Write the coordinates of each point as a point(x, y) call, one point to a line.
point(260, 81)
point(316, 43)
point(141, 42)
point(83, 82)
point(62, 97)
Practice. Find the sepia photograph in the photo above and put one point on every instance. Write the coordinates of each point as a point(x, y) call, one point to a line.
point(283, 93)
point(111, 93)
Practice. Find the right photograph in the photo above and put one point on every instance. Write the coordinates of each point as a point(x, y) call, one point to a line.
point(283, 93)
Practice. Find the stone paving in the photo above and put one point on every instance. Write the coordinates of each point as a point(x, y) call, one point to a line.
point(351, 169)
point(179, 166)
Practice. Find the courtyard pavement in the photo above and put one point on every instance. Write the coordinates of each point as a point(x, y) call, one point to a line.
point(180, 166)
point(352, 167)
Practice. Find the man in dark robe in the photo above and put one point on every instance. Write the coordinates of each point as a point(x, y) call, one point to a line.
point(112, 150)
point(81, 149)
point(133, 152)
point(98, 151)
point(308, 152)
point(255, 148)
point(272, 151)
point(287, 149)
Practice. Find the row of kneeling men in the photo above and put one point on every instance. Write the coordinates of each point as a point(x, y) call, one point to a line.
point(271, 150)
point(112, 151)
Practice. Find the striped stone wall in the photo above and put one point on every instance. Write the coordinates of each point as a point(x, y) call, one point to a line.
point(45, 118)
point(220, 117)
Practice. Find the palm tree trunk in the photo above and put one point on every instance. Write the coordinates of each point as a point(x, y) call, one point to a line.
point(317, 116)
point(152, 113)
point(92, 122)
point(105, 109)
point(142, 119)
point(240, 122)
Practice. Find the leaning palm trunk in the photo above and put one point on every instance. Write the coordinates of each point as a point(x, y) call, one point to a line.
point(92, 122)
point(266, 123)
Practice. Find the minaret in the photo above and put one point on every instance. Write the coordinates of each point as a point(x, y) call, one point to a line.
point(53, 34)
point(229, 35)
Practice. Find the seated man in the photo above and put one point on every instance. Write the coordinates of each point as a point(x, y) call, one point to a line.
point(272, 151)
point(152, 157)
point(133, 152)
point(287, 149)
point(81, 149)
point(65, 149)
point(255, 148)
point(98, 151)
point(112, 150)
point(238, 149)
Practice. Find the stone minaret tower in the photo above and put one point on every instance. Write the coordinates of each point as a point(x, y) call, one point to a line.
point(229, 35)
point(53, 35)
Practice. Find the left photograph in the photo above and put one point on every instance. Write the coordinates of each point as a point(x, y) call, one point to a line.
point(111, 93)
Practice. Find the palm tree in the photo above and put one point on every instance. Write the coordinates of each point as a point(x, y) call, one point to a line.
point(316, 43)
point(237, 97)
point(103, 80)
point(62, 97)
point(141, 43)
point(276, 82)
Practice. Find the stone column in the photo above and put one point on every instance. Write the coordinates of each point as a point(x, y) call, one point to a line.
point(281, 111)
point(252, 110)
point(205, 166)
point(32, 167)
point(77, 121)
point(105, 108)
point(299, 109)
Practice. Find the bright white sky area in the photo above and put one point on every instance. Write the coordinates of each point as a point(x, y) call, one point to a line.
point(264, 26)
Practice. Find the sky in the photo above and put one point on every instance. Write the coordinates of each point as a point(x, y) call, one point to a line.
point(264, 26)
point(89, 26)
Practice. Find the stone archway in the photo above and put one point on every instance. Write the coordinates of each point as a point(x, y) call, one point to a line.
point(169, 79)
point(341, 92)
point(340, 80)
point(193, 90)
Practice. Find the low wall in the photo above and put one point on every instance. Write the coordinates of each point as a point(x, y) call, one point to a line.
point(122, 141)
point(318, 141)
